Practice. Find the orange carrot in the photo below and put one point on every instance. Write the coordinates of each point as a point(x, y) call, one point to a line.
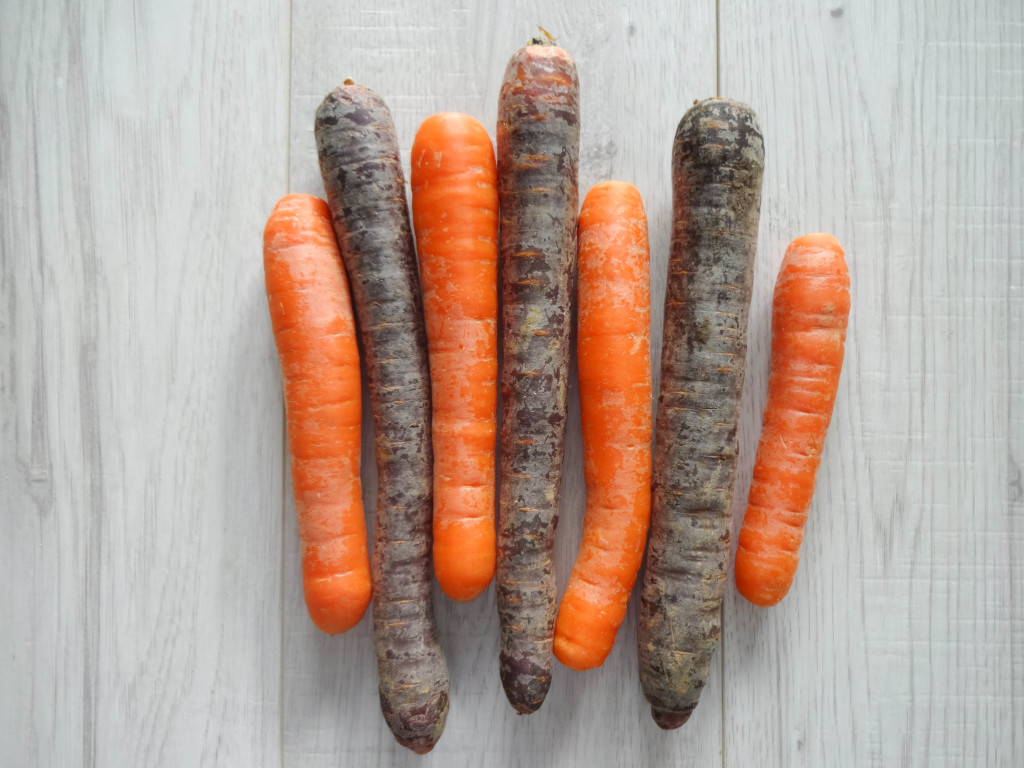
point(455, 216)
point(311, 315)
point(809, 316)
point(614, 358)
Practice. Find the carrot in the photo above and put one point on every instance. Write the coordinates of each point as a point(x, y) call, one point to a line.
point(809, 315)
point(311, 315)
point(538, 156)
point(614, 358)
point(362, 174)
point(455, 215)
point(717, 164)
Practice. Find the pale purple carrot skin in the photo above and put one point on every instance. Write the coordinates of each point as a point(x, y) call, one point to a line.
point(537, 154)
point(362, 175)
point(717, 164)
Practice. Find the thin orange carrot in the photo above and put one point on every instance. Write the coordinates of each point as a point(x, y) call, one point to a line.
point(311, 314)
point(809, 317)
point(614, 357)
point(455, 216)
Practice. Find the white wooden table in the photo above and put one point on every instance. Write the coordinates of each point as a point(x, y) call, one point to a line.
point(150, 609)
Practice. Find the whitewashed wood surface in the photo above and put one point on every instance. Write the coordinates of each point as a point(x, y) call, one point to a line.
point(151, 609)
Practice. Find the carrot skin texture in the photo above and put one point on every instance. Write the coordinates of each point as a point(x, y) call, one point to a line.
point(455, 216)
point(311, 314)
point(614, 363)
point(362, 174)
point(538, 157)
point(717, 165)
point(810, 311)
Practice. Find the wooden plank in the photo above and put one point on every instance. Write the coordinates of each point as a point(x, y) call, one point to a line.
point(896, 126)
point(142, 148)
point(636, 80)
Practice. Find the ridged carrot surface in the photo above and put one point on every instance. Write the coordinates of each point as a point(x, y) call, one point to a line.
point(614, 362)
point(362, 173)
point(809, 317)
point(455, 217)
point(538, 159)
point(311, 314)
point(717, 167)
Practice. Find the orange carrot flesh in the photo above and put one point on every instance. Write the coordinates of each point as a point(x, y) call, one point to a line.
point(809, 317)
point(314, 328)
point(455, 216)
point(614, 360)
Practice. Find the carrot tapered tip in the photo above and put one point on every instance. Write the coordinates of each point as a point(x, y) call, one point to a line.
point(761, 600)
point(715, 108)
point(758, 595)
point(763, 580)
point(337, 603)
point(526, 683)
point(463, 587)
point(420, 730)
point(577, 657)
point(670, 720)
point(419, 746)
point(817, 240)
point(614, 187)
point(528, 708)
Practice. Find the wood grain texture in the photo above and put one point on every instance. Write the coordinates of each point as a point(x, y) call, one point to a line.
point(142, 149)
point(897, 127)
point(149, 615)
point(636, 81)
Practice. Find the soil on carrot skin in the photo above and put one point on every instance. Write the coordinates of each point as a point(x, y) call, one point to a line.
point(362, 175)
point(538, 154)
point(717, 168)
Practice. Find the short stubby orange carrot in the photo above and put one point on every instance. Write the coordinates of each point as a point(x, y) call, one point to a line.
point(311, 314)
point(455, 217)
point(614, 359)
point(809, 316)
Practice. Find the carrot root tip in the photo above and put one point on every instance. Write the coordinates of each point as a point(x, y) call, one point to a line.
point(418, 746)
point(670, 720)
point(527, 709)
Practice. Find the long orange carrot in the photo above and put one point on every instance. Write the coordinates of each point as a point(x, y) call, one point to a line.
point(455, 216)
point(311, 315)
point(614, 357)
point(809, 317)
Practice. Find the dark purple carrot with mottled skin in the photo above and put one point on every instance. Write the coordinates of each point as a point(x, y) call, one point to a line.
point(538, 149)
point(717, 164)
point(362, 175)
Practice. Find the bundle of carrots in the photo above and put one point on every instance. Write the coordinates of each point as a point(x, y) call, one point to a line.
point(508, 226)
